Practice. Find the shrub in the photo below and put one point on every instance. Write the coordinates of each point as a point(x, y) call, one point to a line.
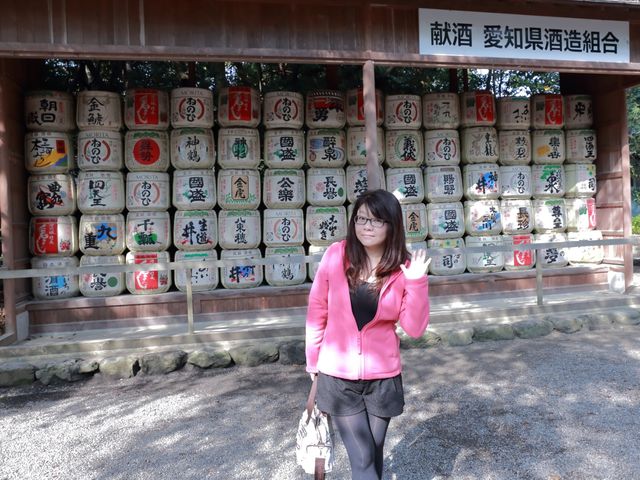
point(635, 225)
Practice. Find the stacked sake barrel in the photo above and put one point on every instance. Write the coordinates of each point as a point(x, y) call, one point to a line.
point(148, 198)
point(53, 234)
point(581, 179)
point(238, 187)
point(326, 183)
point(481, 180)
point(404, 156)
point(193, 156)
point(283, 190)
point(516, 208)
point(443, 181)
point(101, 191)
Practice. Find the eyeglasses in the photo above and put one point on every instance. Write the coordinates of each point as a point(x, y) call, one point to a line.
point(375, 222)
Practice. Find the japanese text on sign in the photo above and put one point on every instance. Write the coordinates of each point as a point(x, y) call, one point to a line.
point(450, 32)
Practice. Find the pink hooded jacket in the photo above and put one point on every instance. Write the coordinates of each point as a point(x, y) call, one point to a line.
point(334, 345)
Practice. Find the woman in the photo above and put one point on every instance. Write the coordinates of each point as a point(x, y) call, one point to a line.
point(363, 287)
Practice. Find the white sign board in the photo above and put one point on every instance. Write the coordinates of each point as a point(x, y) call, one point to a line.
point(497, 35)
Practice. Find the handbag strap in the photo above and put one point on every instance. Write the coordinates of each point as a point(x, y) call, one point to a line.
point(318, 473)
point(312, 397)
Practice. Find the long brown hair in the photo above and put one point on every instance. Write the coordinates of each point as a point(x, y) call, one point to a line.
point(385, 206)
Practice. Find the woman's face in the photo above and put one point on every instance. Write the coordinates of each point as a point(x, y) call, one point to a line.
point(372, 235)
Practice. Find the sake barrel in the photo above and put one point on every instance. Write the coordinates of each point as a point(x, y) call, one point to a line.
point(53, 236)
point(238, 148)
point(238, 229)
point(51, 195)
point(406, 184)
point(98, 110)
point(283, 227)
point(580, 146)
point(479, 145)
point(326, 186)
point(477, 109)
point(100, 150)
point(548, 146)
point(548, 181)
point(325, 109)
point(487, 261)
point(441, 147)
point(548, 111)
point(356, 145)
point(147, 191)
point(578, 111)
point(48, 152)
point(239, 107)
point(415, 246)
point(517, 216)
point(549, 215)
point(314, 250)
point(151, 281)
point(284, 148)
point(447, 263)
point(515, 181)
point(402, 112)
point(97, 283)
point(191, 107)
point(414, 219)
point(481, 181)
point(146, 151)
point(101, 192)
point(514, 147)
point(192, 148)
point(148, 231)
point(194, 189)
point(580, 180)
point(195, 230)
point(283, 188)
point(358, 181)
point(325, 225)
point(241, 270)
point(443, 184)
point(48, 110)
point(326, 148)
point(404, 148)
point(286, 271)
point(55, 287)
point(514, 113)
point(239, 189)
point(203, 279)
point(483, 217)
point(446, 220)
point(102, 234)
point(146, 109)
point(519, 259)
point(283, 110)
point(586, 254)
point(553, 257)
point(581, 214)
point(440, 110)
point(355, 107)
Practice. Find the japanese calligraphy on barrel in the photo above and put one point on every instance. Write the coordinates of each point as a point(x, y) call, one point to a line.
point(146, 109)
point(51, 195)
point(98, 110)
point(50, 111)
point(100, 150)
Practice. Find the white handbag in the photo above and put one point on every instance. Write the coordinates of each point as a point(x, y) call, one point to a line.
point(314, 441)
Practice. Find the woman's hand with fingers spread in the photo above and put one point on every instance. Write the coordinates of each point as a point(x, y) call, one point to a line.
point(419, 265)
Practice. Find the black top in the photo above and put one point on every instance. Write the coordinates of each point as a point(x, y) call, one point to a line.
point(364, 303)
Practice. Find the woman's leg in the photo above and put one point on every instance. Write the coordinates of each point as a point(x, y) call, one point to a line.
point(378, 426)
point(360, 444)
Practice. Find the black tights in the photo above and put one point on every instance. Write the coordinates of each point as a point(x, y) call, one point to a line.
point(363, 435)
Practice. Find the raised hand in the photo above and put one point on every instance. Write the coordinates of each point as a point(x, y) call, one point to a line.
point(419, 265)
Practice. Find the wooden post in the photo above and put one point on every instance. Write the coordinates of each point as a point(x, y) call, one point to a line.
point(454, 84)
point(374, 181)
point(539, 276)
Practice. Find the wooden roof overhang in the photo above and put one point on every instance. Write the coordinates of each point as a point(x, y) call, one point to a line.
point(303, 31)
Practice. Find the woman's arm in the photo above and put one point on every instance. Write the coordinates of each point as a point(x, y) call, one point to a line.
point(317, 313)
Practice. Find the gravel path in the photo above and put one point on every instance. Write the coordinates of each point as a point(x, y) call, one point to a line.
point(559, 407)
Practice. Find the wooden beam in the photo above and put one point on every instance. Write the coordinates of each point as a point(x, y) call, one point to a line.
point(374, 181)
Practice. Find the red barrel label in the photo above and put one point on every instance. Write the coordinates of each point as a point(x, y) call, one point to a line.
point(146, 108)
point(522, 258)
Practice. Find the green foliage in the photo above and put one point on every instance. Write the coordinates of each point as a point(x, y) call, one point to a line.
point(635, 225)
